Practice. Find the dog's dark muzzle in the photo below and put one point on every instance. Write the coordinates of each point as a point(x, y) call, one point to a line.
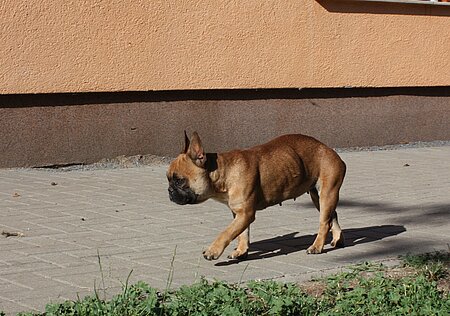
point(182, 196)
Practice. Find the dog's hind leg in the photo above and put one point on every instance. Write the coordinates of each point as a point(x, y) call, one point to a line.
point(315, 197)
point(338, 237)
point(326, 202)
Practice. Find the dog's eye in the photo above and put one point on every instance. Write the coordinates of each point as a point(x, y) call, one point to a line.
point(179, 182)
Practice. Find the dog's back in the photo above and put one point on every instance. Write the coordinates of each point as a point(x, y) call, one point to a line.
point(285, 167)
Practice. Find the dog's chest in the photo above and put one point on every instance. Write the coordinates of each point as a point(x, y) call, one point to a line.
point(221, 197)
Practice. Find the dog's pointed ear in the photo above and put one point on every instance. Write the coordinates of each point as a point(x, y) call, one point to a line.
point(186, 142)
point(195, 151)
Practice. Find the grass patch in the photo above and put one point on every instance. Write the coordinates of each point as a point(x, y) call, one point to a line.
point(418, 287)
point(435, 266)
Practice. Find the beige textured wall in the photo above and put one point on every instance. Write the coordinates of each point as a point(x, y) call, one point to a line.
point(79, 45)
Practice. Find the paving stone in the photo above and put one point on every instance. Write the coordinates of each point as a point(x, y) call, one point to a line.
point(124, 215)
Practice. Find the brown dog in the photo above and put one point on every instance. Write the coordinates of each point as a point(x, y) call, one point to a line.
point(255, 178)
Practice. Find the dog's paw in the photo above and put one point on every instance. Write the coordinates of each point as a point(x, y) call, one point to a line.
point(211, 254)
point(314, 250)
point(338, 243)
point(237, 254)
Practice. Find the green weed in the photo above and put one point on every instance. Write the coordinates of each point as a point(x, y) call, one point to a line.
point(365, 289)
point(433, 265)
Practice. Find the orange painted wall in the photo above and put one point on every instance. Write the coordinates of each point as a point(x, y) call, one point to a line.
point(110, 45)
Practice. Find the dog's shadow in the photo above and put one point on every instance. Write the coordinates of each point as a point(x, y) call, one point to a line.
point(290, 243)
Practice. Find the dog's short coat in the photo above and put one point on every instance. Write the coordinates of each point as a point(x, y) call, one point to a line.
point(253, 179)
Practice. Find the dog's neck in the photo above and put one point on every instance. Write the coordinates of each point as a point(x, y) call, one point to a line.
point(215, 173)
point(211, 162)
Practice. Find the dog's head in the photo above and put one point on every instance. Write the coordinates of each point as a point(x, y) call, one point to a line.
point(188, 178)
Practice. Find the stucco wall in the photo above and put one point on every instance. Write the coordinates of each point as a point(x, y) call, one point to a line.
point(80, 45)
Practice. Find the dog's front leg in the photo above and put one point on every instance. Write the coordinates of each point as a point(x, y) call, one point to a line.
point(241, 250)
point(238, 226)
point(243, 243)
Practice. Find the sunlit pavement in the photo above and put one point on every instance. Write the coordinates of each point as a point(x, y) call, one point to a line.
point(80, 230)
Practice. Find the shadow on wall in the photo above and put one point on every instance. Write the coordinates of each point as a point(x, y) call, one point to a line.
point(67, 99)
point(352, 6)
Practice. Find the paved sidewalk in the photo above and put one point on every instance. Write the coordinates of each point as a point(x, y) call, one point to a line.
point(392, 202)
